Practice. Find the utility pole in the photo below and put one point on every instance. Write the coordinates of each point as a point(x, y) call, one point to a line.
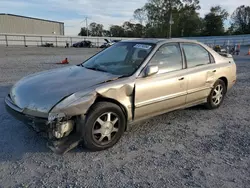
point(87, 26)
point(86, 20)
point(171, 22)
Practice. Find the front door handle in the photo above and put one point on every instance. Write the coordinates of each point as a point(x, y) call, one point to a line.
point(182, 78)
point(214, 70)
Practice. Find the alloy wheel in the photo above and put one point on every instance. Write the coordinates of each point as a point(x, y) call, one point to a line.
point(105, 128)
point(217, 95)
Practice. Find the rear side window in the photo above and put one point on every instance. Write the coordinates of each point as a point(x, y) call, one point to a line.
point(196, 55)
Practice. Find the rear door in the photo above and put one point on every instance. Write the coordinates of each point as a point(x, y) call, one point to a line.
point(200, 70)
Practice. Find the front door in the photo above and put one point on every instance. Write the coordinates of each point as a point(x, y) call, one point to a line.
point(165, 90)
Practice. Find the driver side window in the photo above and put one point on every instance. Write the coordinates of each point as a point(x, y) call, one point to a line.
point(168, 58)
point(117, 54)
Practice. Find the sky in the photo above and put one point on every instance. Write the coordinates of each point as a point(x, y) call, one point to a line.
point(106, 12)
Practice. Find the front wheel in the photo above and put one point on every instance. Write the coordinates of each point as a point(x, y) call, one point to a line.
point(104, 126)
point(217, 95)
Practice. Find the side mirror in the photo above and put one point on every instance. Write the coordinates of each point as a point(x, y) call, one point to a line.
point(151, 70)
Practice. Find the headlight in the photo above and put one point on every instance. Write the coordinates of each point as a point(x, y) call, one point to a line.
point(54, 116)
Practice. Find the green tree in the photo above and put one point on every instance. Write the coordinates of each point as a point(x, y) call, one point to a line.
point(150, 31)
point(139, 30)
point(128, 28)
point(141, 16)
point(133, 30)
point(193, 4)
point(116, 31)
point(241, 20)
point(190, 24)
point(175, 18)
point(96, 29)
point(181, 16)
point(158, 15)
point(83, 32)
point(214, 21)
point(231, 30)
point(106, 33)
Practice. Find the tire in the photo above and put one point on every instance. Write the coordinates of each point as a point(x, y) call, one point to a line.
point(215, 100)
point(97, 127)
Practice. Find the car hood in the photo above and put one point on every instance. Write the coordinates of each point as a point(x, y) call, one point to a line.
point(40, 92)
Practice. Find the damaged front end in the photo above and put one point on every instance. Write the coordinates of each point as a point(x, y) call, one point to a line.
point(63, 133)
point(65, 120)
point(63, 123)
point(61, 126)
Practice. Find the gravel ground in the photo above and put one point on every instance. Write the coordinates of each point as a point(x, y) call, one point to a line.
point(186, 148)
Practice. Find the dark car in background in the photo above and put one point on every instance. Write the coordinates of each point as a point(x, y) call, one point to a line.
point(83, 44)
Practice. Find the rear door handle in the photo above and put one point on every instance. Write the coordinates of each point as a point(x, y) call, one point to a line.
point(214, 70)
point(182, 78)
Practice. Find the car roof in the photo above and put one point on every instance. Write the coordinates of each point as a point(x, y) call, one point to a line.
point(159, 40)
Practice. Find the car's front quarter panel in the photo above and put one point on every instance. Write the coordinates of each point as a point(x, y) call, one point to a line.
point(75, 104)
point(79, 103)
point(121, 91)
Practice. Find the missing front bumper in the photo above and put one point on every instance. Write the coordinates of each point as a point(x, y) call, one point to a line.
point(38, 124)
point(64, 145)
point(59, 146)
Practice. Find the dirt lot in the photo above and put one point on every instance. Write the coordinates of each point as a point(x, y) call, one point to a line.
point(187, 148)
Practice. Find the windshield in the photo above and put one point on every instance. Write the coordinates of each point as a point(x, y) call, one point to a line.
point(122, 58)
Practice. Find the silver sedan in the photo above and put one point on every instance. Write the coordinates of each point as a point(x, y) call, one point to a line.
point(97, 100)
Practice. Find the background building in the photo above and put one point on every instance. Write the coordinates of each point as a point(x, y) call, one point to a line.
point(14, 24)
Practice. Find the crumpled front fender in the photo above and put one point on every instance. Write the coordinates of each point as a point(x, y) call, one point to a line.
point(79, 103)
point(75, 104)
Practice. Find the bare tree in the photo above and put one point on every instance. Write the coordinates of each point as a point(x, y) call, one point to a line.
point(140, 15)
point(241, 20)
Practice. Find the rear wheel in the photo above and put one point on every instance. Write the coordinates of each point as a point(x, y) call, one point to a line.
point(104, 126)
point(217, 95)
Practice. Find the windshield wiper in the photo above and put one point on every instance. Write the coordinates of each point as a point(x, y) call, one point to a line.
point(95, 68)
